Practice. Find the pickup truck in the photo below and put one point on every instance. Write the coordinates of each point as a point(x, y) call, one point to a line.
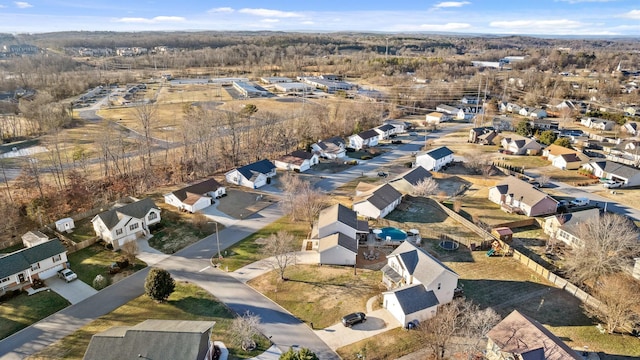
point(67, 275)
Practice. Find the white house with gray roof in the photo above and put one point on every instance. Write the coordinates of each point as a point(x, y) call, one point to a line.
point(332, 148)
point(126, 223)
point(628, 175)
point(385, 131)
point(364, 139)
point(406, 182)
point(335, 236)
point(435, 159)
point(377, 202)
point(253, 176)
point(42, 261)
point(408, 269)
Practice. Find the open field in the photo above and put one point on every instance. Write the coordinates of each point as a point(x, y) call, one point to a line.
point(95, 260)
point(247, 250)
point(22, 310)
point(330, 292)
point(188, 302)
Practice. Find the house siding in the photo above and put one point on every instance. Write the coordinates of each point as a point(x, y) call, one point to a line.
point(366, 209)
point(337, 255)
point(336, 227)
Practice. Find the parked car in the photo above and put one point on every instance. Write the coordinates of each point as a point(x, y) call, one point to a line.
point(396, 142)
point(67, 275)
point(582, 201)
point(611, 184)
point(564, 203)
point(354, 318)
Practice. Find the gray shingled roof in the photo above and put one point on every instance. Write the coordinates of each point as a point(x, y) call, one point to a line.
point(382, 197)
point(368, 134)
point(263, 166)
point(386, 127)
point(200, 188)
point(571, 221)
point(152, 339)
point(422, 265)
point(520, 189)
point(21, 260)
point(416, 175)
point(617, 169)
point(338, 212)
point(415, 298)
point(440, 152)
point(138, 210)
point(338, 239)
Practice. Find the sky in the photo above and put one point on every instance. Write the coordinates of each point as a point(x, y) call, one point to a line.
point(527, 17)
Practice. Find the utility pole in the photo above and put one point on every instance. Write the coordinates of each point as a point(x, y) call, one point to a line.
point(386, 51)
point(218, 241)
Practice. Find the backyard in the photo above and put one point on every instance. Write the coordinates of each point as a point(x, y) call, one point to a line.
point(188, 302)
point(23, 310)
point(329, 291)
point(95, 260)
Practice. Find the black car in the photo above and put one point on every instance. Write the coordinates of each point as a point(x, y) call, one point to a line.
point(354, 318)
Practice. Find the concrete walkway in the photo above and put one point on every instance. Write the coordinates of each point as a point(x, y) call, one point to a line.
point(264, 266)
point(148, 254)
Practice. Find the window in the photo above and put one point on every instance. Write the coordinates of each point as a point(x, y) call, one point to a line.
point(153, 216)
point(118, 231)
point(133, 226)
point(57, 258)
point(35, 266)
point(439, 286)
point(5, 280)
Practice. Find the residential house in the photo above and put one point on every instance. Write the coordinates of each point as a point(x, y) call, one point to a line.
point(564, 105)
point(435, 159)
point(566, 227)
point(42, 261)
point(537, 113)
point(195, 197)
point(454, 112)
point(65, 225)
point(631, 128)
point(520, 145)
point(126, 223)
point(564, 158)
point(408, 269)
point(524, 111)
point(34, 237)
point(336, 234)
point(437, 117)
point(154, 339)
point(254, 175)
point(367, 138)
point(510, 107)
point(515, 195)
point(504, 123)
point(385, 131)
point(298, 160)
point(401, 126)
point(406, 182)
point(599, 124)
point(629, 176)
point(332, 148)
point(520, 337)
point(544, 124)
point(482, 135)
point(470, 100)
point(378, 202)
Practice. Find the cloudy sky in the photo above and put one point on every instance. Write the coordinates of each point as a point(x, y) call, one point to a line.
point(542, 17)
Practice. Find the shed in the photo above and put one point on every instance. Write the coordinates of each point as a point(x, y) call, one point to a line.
point(503, 233)
point(33, 238)
point(65, 224)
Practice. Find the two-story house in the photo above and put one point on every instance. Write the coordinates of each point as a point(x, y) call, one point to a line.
point(126, 223)
point(336, 234)
point(363, 139)
point(417, 283)
point(435, 159)
point(332, 148)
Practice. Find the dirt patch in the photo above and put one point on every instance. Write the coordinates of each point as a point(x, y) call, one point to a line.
point(452, 186)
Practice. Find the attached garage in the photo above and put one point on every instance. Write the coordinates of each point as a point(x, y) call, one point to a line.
point(51, 272)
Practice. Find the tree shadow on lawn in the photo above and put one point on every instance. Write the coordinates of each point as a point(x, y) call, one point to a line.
point(201, 307)
point(547, 304)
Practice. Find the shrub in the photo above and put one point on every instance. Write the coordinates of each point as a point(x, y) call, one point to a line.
point(159, 284)
point(408, 164)
point(100, 282)
point(366, 157)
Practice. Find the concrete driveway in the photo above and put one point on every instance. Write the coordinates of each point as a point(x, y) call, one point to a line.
point(379, 321)
point(74, 291)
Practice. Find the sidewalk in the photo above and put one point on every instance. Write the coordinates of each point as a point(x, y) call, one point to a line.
point(264, 266)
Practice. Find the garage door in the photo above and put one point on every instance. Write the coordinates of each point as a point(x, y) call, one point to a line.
point(50, 272)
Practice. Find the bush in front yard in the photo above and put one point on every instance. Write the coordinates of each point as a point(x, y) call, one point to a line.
point(100, 282)
point(159, 284)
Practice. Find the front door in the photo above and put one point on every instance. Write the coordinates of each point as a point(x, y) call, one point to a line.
point(20, 278)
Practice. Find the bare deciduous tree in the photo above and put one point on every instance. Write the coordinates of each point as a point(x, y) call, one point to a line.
point(280, 248)
point(130, 250)
point(543, 179)
point(244, 329)
point(607, 246)
point(425, 187)
point(301, 200)
point(146, 115)
point(618, 295)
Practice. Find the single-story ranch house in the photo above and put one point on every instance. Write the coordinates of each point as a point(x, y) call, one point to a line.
point(195, 197)
point(515, 195)
point(254, 175)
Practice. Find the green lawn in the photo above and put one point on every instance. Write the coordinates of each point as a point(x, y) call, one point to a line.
point(83, 231)
point(177, 231)
point(247, 250)
point(94, 260)
point(23, 310)
point(188, 302)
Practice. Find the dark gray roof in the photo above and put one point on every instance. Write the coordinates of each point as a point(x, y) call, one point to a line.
point(263, 166)
point(200, 188)
point(440, 152)
point(571, 221)
point(368, 134)
point(615, 168)
point(347, 242)
point(302, 154)
point(415, 298)
point(138, 210)
point(21, 260)
point(383, 196)
point(416, 175)
point(363, 226)
point(386, 127)
point(419, 263)
point(152, 339)
point(338, 212)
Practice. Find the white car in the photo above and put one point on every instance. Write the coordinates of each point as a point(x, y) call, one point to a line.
point(579, 202)
point(67, 275)
point(610, 184)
